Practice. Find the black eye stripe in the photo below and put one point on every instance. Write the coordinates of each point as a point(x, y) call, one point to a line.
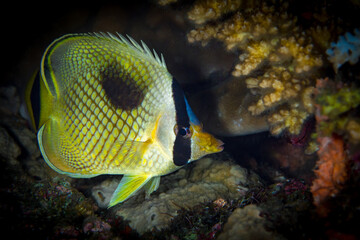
point(182, 145)
point(182, 150)
point(182, 118)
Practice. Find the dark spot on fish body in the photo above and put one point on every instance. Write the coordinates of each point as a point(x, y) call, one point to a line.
point(122, 90)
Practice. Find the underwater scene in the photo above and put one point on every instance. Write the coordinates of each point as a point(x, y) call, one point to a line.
point(181, 119)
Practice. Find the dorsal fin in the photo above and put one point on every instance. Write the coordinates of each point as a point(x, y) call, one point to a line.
point(130, 42)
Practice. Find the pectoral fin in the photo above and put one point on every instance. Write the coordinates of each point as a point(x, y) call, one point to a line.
point(128, 186)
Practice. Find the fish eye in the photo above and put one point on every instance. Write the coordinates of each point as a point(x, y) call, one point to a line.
point(183, 131)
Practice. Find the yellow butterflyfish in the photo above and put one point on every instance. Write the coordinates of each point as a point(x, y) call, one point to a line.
point(104, 104)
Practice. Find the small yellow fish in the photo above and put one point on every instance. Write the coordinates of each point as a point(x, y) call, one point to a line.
point(108, 105)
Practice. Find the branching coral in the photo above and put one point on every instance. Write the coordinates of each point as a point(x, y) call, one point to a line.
point(277, 61)
point(206, 10)
point(242, 28)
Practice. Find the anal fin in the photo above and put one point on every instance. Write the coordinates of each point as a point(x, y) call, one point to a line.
point(128, 186)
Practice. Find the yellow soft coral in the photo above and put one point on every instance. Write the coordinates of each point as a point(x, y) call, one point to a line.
point(277, 61)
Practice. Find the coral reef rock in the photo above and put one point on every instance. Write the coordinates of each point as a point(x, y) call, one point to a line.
point(102, 193)
point(201, 182)
point(9, 150)
point(245, 223)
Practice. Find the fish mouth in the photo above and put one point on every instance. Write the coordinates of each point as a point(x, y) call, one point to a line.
point(220, 145)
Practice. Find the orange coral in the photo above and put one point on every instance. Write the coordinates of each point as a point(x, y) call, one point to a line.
point(331, 172)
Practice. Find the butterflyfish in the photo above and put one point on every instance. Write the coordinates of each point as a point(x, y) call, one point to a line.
point(105, 104)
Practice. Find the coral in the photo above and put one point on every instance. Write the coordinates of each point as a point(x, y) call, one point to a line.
point(97, 227)
point(245, 223)
point(334, 103)
point(255, 54)
point(287, 119)
point(60, 199)
point(331, 170)
point(220, 202)
point(277, 61)
point(205, 182)
point(240, 29)
point(347, 49)
point(205, 10)
point(321, 35)
point(103, 192)
point(353, 128)
point(294, 185)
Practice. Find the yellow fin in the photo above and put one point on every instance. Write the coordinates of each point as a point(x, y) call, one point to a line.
point(152, 185)
point(51, 66)
point(128, 186)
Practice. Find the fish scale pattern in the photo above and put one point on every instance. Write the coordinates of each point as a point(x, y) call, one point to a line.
point(103, 135)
